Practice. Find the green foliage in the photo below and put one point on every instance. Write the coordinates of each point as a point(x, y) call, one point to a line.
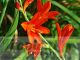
point(9, 35)
point(22, 56)
point(3, 12)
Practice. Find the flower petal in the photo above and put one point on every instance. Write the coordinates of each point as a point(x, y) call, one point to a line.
point(53, 14)
point(33, 49)
point(42, 20)
point(26, 4)
point(65, 31)
point(24, 25)
point(42, 29)
point(46, 7)
point(37, 50)
point(39, 5)
point(59, 39)
point(68, 33)
point(59, 31)
point(29, 48)
point(35, 18)
point(37, 38)
point(34, 36)
point(39, 19)
point(31, 37)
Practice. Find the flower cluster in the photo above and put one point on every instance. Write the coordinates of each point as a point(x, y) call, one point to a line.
point(34, 27)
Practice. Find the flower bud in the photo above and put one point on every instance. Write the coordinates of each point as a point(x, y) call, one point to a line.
point(17, 5)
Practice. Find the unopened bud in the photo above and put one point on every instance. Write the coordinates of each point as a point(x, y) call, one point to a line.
point(17, 5)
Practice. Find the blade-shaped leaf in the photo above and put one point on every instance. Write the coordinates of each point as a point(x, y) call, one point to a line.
point(9, 35)
point(74, 16)
point(3, 11)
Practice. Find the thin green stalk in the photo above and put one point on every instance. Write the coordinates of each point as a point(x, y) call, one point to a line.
point(25, 16)
point(74, 16)
point(63, 58)
point(21, 3)
point(71, 40)
point(51, 47)
point(24, 13)
point(3, 12)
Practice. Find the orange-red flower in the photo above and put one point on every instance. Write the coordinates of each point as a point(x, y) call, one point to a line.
point(34, 28)
point(33, 49)
point(63, 36)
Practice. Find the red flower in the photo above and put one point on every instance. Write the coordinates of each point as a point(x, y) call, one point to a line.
point(63, 36)
point(26, 4)
point(34, 28)
point(33, 49)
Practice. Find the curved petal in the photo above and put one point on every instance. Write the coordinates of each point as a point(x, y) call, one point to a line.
point(59, 31)
point(24, 25)
point(37, 48)
point(28, 47)
point(26, 4)
point(67, 34)
point(66, 30)
point(46, 7)
point(33, 49)
point(37, 38)
point(59, 39)
point(42, 29)
point(53, 14)
point(34, 36)
point(42, 20)
point(39, 19)
point(31, 37)
point(35, 18)
point(39, 5)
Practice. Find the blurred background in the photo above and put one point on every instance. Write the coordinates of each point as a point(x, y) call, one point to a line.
point(12, 35)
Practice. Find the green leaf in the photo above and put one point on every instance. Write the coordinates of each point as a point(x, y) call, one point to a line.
point(69, 12)
point(74, 54)
point(22, 56)
point(39, 57)
point(3, 12)
point(9, 35)
point(72, 22)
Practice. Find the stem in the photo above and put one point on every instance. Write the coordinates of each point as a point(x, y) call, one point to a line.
point(24, 13)
point(63, 58)
point(70, 41)
point(21, 3)
point(51, 47)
